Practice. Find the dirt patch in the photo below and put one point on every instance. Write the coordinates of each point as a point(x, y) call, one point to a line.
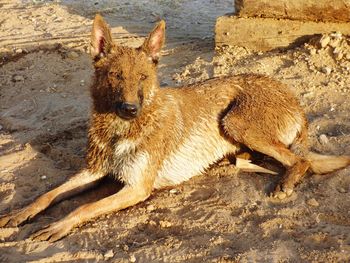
point(222, 216)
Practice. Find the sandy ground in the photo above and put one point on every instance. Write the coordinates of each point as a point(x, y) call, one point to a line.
point(222, 216)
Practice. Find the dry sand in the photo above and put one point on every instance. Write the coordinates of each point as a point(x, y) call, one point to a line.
point(222, 216)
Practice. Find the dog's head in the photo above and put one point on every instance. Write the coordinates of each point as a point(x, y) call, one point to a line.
point(125, 78)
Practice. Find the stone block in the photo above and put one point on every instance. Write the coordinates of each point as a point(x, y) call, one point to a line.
point(262, 34)
point(314, 10)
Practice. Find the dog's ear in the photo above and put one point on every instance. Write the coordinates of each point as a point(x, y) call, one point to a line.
point(101, 38)
point(155, 41)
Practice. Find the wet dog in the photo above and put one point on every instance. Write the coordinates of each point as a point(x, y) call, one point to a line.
point(150, 137)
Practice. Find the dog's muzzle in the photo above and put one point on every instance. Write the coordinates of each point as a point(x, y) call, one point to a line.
point(128, 110)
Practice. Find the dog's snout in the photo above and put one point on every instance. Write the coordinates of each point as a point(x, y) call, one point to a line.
point(128, 110)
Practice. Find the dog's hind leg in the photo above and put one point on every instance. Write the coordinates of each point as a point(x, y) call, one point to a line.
point(241, 130)
point(78, 183)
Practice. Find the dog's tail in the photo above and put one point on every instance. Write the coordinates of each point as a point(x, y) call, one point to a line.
point(322, 164)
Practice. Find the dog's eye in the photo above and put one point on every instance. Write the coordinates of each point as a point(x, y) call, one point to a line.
point(115, 75)
point(143, 77)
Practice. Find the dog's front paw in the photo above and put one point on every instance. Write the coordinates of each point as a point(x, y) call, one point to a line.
point(52, 232)
point(15, 218)
point(281, 192)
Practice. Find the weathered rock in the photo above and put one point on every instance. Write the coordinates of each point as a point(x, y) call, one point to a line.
point(339, 56)
point(150, 208)
point(165, 224)
point(312, 51)
point(324, 41)
point(314, 10)
point(132, 258)
point(323, 139)
point(335, 42)
point(109, 254)
point(262, 34)
point(342, 190)
point(312, 202)
point(326, 70)
point(174, 191)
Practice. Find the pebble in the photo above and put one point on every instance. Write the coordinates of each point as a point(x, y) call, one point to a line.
point(324, 41)
point(58, 19)
point(152, 223)
point(43, 177)
point(347, 56)
point(19, 51)
point(312, 52)
point(326, 70)
point(336, 50)
point(281, 195)
point(339, 56)
point(173, 191)
point(132, 258)
point(323, 139)
point(289, 192)
point(72, 55)
point(334, 43)
point(165, 224)
point(1, 127)
point(17, 78)
point(342, 190)
point(109, 254)
point(308, 94)
point(150, 208)
point(312, 202)
point(337, 35)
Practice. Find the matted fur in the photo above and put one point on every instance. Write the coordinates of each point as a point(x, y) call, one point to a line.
point(173, 134)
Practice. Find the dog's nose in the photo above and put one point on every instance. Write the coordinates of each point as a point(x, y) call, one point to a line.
point(129, 110)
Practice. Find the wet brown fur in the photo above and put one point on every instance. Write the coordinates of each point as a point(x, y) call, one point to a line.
point(178, 133)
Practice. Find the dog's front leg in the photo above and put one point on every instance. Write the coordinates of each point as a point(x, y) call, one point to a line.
point(128, 196)
point(81, 181)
